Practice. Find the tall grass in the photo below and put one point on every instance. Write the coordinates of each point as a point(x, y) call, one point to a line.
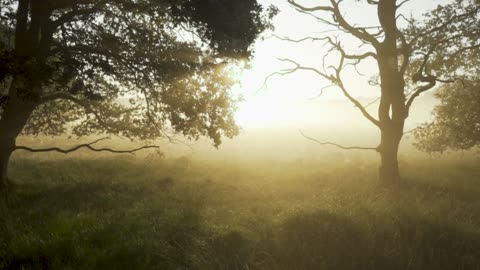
point(127, 213)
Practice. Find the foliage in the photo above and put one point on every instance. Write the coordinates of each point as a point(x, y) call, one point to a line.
point(452, 52)
point(230, 35)
point(454, 56)
point(140, 69)
point(457, 119)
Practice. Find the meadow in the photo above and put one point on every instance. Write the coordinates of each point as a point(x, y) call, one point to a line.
point(149, 212)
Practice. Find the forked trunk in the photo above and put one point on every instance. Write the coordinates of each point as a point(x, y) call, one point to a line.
point(392, 110)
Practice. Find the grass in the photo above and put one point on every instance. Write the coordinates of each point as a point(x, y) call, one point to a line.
point(127, 213)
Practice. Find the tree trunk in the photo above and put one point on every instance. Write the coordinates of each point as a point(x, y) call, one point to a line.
point(392, 110)
point(389, 170)
point(21, 103)
point(6, 149)
point(13, 119)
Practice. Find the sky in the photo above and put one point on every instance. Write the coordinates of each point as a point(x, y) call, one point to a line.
point(292, 101)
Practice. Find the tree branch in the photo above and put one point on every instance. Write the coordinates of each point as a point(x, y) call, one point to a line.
point(87, 107)
point(69, 16)
point(371, 103)
point(301, 39)
point(440, 27)
point(336, 80)
point(402, 3)
point(359, 32)
point(87, 146)
point(338, 145)
point(417, 93)
point(336, 45)
point(309, 9)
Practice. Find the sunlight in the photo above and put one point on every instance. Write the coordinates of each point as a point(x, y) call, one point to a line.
point(218, 134)
point(293, 100)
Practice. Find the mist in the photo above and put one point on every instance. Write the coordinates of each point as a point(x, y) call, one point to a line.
point(239, 135)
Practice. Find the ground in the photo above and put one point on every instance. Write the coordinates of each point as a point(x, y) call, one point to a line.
point(127, 212)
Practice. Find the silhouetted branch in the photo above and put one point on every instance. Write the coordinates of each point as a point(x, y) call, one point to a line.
point(337, 15)
point(69, 16)
point(411, 130)
point(300, 67)
point(338, 145)
point(316, 8)
point(321, 91)
point(417, 93)
point(87, 146)
point(271, 75)
point(441, 27)
point(302, 39)
point(371, 103)
point(401, 16)
point(402, 3)
point(336, 80)
point(84, 104)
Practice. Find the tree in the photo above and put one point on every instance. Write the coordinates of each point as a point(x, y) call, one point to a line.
point(457, 119)
point(411, 59)
point(140, 69)
point(456, 123)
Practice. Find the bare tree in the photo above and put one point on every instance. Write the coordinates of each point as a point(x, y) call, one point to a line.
point(410, 60)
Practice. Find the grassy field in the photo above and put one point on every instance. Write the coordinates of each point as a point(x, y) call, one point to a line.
point(139, 213)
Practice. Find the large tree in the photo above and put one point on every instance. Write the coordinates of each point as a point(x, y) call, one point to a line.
point(413, 55)
point(136, 68)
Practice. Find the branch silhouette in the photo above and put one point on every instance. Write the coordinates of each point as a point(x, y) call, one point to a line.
point(338, 145)
point(87, 146)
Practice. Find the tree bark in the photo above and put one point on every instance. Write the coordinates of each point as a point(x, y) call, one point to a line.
point(389, 171)
point(6, 149)
point(30, 37)
point(392, 115)
point(13, 119)
point(10, 128)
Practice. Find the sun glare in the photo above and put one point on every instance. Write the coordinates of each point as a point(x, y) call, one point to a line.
point(294, 100)
point(271, 100)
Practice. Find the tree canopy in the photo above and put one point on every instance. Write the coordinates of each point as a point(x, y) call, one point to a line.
point(455, 57)
point(141, 69)
point(456, 124)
